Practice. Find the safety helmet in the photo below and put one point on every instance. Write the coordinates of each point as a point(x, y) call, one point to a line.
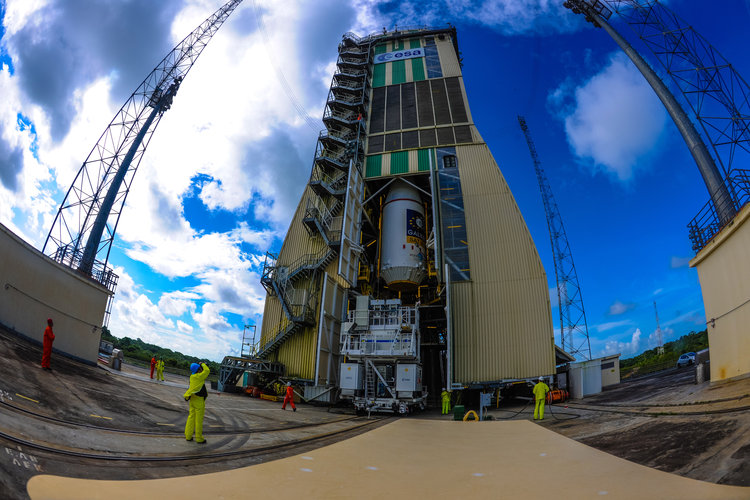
point(288, 384)
point(49, 321)
point(194, 367)
point(541, 379)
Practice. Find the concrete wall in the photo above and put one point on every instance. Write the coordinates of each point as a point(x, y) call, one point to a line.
point(33, 288)
point(724, 273)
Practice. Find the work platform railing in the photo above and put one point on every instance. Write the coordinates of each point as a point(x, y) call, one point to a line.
point(707, 223)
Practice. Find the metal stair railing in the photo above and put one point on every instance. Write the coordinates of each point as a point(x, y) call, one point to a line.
point(283, 332)
point(232, 368)
point(334, 185)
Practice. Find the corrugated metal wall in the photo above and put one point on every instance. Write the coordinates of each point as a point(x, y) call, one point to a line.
point(297, 353)
point(448, 59)
point(502, 318)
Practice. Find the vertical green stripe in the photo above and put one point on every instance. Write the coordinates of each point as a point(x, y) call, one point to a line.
point(378, 75)
point(423, 159)
point(398, 69)
point(414, 43)
point(373, 166)
point(381, 49)
point(399, 162)
point(417, 69)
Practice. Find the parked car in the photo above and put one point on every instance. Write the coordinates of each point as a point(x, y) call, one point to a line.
point(686, 359)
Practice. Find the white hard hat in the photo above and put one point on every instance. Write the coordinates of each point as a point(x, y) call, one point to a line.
point(541, 379)
point(289, 383)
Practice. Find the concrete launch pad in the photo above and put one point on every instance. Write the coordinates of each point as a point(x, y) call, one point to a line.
point(114, 419)
point(413, 458)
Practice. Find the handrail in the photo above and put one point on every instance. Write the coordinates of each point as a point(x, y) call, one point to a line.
point(707, 223)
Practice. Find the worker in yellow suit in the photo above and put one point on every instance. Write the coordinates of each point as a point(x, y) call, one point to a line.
point(446, 395)
point(540, 393)
point(160, 370)
point(196, 395)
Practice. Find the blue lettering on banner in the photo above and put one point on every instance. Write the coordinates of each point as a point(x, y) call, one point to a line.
point(398, 55)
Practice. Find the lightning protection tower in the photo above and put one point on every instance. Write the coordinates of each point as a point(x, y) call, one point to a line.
point(717, 97)
point(574, 333)
point(84, 228)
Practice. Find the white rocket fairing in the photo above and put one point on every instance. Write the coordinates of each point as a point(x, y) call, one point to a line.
point(402, 246)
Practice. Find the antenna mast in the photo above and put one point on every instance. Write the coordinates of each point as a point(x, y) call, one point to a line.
point(574, 333)
point(659, 339)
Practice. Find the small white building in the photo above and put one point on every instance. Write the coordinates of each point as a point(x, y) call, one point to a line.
point(589, 377)
point(610, 370)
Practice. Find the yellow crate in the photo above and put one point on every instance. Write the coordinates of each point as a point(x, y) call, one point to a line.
point(270, 398)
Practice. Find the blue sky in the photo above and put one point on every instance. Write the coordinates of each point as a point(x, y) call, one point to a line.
point(225, 169)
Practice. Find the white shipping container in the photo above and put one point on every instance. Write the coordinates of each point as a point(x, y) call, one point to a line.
point(351, 376)
point(408, 377)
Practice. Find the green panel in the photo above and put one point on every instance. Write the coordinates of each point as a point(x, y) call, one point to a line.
point(381, 49)
point(378, 75)
point(414, 43)
point(398, 45)
point(423, 159)
point(373, 166)
point(398, 69)
point(417, 69)
point(400, 162)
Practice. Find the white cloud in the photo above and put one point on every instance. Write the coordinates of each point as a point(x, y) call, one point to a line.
point(603, 327)
point(184, 327)
point(653, 338)
point(616, 119)
point(625, 348)
point(505, 16)
point(178, 303)
point(618, 308)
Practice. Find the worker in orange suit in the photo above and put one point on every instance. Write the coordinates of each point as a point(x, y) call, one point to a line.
point(49, 337)
point(196, 395)
point(540, 393)
point(289, 398)
point(153, 365)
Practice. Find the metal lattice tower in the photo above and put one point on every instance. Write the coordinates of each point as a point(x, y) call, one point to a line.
point(717, 97)
point(659, 339)
point(574, 333)
point(84, 228)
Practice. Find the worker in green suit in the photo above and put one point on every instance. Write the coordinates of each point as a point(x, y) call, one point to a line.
point(196, 395)
point(446, 395)
point(540, 393)
point(160, 370)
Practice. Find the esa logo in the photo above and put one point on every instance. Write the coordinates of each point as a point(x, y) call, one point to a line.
point(401, 54)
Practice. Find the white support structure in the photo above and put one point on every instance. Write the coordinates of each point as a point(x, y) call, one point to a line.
point(381, 343)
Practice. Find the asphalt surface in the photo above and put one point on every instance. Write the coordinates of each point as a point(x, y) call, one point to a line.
point(664, 421)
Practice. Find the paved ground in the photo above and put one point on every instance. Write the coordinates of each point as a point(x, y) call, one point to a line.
point(666, 423)
point(412, 458)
